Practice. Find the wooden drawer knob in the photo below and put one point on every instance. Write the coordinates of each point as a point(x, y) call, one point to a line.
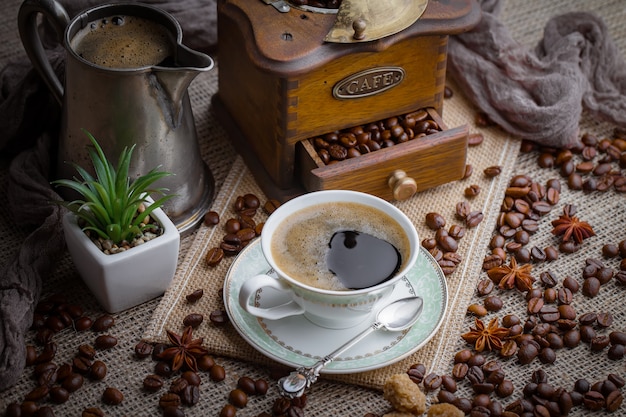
point(402, 186)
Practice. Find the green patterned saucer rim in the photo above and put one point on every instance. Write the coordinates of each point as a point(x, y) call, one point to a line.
point(295, 341)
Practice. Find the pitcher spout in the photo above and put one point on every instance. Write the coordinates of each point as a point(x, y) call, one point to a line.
point(173, 78)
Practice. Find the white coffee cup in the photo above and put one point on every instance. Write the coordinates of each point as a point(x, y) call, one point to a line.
point(330, 308)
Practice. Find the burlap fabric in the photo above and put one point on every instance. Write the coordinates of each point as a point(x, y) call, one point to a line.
point(351, 395)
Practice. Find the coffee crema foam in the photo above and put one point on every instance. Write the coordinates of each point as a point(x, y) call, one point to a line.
point(300, 242)
point(123, 42)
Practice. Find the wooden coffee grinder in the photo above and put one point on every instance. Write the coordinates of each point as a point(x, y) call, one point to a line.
point(293, 77)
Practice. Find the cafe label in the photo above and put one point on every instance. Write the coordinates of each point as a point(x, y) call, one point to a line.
point(369, 82)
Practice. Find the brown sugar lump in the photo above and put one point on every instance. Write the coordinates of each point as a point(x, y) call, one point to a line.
point(404, 395)
point(444, 410)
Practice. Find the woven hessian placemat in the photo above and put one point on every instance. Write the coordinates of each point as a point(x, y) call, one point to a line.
point(194, 273)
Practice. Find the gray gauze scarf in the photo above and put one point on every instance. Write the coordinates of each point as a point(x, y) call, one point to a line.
point(540, 95)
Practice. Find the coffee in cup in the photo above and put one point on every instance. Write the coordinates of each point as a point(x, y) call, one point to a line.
point(340, 246)
point(123, 41)
point(326, 283)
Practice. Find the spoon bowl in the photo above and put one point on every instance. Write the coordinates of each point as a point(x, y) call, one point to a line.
point(401, 314)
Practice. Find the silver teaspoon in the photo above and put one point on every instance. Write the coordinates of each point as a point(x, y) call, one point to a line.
point(396, 316)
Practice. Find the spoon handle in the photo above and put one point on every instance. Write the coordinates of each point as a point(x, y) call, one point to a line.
point(296, 382)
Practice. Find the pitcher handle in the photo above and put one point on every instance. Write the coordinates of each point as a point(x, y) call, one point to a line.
point(29, 34)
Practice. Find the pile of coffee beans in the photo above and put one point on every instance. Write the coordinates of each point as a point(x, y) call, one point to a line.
point(349, 143)
point(240, 230)
point(55, 383)
point(444, 245)
point(592, 165)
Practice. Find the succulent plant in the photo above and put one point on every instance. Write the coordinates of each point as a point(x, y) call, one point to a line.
point(110, 201)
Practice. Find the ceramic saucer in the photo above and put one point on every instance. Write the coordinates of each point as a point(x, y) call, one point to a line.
point(295, 341)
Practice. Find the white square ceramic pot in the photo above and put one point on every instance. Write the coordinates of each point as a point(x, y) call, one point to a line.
point(126, 279)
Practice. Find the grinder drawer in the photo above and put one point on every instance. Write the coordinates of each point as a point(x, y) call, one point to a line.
point(393, 173)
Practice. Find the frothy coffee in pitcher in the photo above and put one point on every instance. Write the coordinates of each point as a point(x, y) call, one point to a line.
point(123, 42)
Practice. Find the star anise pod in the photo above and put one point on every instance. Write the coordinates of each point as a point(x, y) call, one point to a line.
point(185, 350)
point(569, 227)
point(512, 275)
point(486, 338)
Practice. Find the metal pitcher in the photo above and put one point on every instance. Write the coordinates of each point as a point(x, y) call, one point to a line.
point(148, 106)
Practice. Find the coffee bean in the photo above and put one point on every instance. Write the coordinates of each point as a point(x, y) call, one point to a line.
point(238, 398)
point(103, 323)
point(493, 303)
point(173, 411)
point(218, 317)
point(169, 399)
point(230, 249)
point(527, 353)
point(214, 256)
point(105, 341)
point(194, 296)
point(217, 373)
point(604, 275)
point(205, 362)
point(417, 372)
point(446, 397)
point(228, 410)
point(475, 139)
point(492, 261)
point(432, 382)
point(112, 396)
point(178, 385)
point(493, 171)
point(591, 287)
point(83, 323)
point(613, 401)
point(37, 394)
point(163, 369)
point(472, 191)
point(86, 351)
point(45, 411)
point(190, 395)
point(261, 386)
point(435, 221)
point(598, 343)
point(59, 395)
point(211, 218)
point(73, 382)
point(463, 404)
point(143, 350)
point(459, 370)
point(194, 320)
point(13, 410)
point(477, 310)
point(28, 408)
point(97, 371)
point(63, 372)
point(473, 219)
point(152, 383)
point(485, 286)
point(593, 400)
point(616, 352)
point(48, 353)
point(549, 314)
point(247, 385)
point(604, 319)
point(92, 412)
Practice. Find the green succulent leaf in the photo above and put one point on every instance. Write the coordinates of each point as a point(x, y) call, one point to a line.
point(110, 200)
